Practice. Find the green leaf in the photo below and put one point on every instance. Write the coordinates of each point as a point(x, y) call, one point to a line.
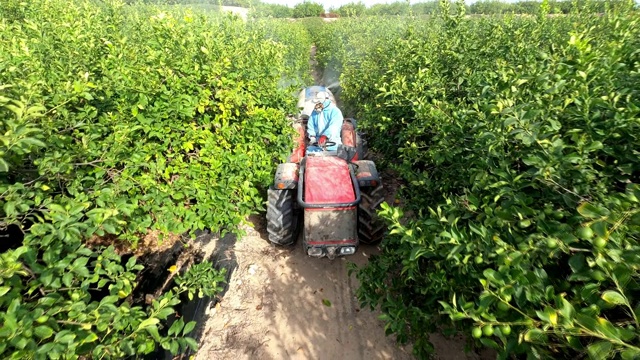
point(90, 338)
point(67, 279)
point(153, 331)
point(549, 315)
point(326, 302)
point(600, 350)
point(613, 297)
point(532, 160)
point(535, 335)
point(600, 228)
point(44, 349)
point(109, 228)
point(165, 344)
point(189, 327)
point(622, 274)
point(84, 251)
point(43, 332)
point(630, 354)
point(176, 327)
point(65, 337)
point(595, 145)
point(162, 314)
point(4, 290)
point(4, 167)
point(34, 142)
point(191, 343)
point(577, 262)
point(567, 311)
point(127, 347)
point(148, 322)
point(633, 192)
point(10, 208)
point(607, 328)
point(490, 343)
point(587, 321)
point(174, 348)
point(494, 276)
point(591, 211)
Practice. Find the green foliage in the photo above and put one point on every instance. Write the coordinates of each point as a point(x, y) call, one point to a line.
point(307, 9)
point(517, 138)
point(118, 120)
point(351, 9)
point(485, 7)
point(144, 121)
point(394, 8)
point(266, 10)
point(240, 3)
point(425, 8)
point(298, 42)
point(48, 299)
point(493, 7)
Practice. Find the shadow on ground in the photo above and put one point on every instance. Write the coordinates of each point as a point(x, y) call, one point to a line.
point(283, 304)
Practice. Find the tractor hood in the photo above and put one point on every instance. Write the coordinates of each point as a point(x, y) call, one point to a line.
point(327, 181)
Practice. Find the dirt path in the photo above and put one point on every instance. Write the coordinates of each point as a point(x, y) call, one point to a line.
point(277, 308)
point(282, 304)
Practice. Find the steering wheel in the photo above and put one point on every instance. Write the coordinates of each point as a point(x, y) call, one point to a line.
point(325, 146)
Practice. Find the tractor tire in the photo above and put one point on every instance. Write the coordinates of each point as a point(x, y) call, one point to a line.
point(371, 228)
point(281, 216)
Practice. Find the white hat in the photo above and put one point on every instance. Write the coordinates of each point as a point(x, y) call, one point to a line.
point(320, 97)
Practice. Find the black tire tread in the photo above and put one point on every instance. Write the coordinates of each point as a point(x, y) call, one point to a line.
point(281, 218)
point(371, 228)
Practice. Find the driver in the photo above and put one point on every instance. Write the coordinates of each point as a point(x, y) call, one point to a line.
point(325, 123)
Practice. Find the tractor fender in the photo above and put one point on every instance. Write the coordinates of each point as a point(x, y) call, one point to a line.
point(348, 133)
point(366, 173)
point(286, 176)
point(351, 141)
point(299, 138)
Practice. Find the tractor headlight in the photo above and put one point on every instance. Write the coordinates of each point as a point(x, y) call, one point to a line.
point(348, 250)
point(315, 252)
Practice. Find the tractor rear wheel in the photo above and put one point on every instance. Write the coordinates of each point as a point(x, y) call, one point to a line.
point(281, 219)
point(370, 227)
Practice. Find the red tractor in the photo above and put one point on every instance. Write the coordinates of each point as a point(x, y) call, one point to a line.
point(336, 193)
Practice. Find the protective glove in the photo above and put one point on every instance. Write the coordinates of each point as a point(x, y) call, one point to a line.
point(322, 140)
point(312, 140)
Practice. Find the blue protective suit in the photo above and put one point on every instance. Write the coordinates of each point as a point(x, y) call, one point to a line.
point(327, 122)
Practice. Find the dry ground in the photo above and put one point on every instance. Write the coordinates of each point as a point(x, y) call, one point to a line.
point(282, 304)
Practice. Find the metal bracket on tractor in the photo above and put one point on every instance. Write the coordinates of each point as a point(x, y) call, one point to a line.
point(336, 193)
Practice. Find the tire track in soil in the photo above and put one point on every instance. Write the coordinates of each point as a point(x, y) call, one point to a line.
point(273, 309)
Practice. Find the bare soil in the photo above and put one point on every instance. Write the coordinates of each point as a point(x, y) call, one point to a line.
point(283, 304)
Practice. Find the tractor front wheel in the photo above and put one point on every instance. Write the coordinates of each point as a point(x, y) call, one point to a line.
point(370, 227)
point(281, 219)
